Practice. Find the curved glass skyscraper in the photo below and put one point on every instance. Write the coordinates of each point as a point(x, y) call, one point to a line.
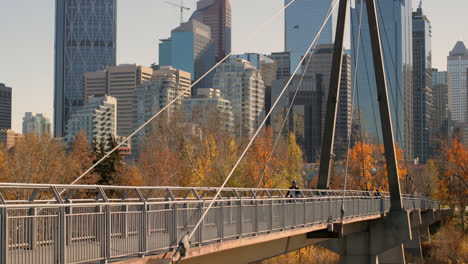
point(85, 41)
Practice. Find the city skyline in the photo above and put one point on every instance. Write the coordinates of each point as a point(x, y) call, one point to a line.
point(35, 93)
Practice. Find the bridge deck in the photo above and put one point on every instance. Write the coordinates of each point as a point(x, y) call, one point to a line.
point(90, 230)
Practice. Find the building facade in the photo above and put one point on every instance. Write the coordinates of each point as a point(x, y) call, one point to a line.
point(283, 64)
point(206, 107)
point(302, 21)
point(242, 84)
point(395, 23)
point(457, 65)
point(119, 82)
point(268, 70)
point(9, 138)
point(441, 87)
point(36, 124)
point(98, 119)
point(85, 41)
point(191, 49)
point(151, 96)
point(217, 15)
point(320, 65)
point(422, 84)
point(5, 106)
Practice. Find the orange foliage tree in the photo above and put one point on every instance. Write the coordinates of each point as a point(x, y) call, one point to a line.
point(367, 169)
point(453, 181)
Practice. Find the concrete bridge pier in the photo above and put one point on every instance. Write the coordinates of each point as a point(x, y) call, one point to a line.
point(375, 241)
point(413, 247)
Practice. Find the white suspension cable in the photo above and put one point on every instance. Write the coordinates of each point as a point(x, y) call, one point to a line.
point(256, 133)
point(182, 94)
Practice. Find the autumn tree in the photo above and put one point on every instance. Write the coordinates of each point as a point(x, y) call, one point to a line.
point(81, 159)
point(260, 169)
point(367, 169)
point(453, 182)
point(4, 175)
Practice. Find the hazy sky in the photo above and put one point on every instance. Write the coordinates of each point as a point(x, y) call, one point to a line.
point(27, 39)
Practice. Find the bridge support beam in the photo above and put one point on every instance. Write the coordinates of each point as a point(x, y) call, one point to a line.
point(377, 241)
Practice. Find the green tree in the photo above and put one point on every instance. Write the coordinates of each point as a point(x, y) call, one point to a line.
point(295, 162)
point(109, 169)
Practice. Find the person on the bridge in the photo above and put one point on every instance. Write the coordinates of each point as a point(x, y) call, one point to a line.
point(293, 187)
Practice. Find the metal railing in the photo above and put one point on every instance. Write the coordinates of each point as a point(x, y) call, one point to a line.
point(98, 223)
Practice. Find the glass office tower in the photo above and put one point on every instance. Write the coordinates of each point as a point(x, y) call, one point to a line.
point(302, 21)
point(85, 41)
point(422, 84)
point(395, 23)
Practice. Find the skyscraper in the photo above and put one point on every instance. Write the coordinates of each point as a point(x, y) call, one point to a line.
point(441, 112)
point(320, 65)
point(191, 49)
point(85, 41)
point(302, 21)
point(422, 84)
point(242, 84)
point(5, 107)
point(36, 123)
point(457, 65)
point(119, 82)
point(217, 15)
point(395, 23)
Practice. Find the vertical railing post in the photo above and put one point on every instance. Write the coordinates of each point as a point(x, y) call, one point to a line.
point(4, 235)
point(304, 208)
point(62, 235)
point(173, 231)
point(271, 215)
point(144, 230)
point(200, 228)
point(108, 232)
point(32, 228)
point(221, 222)
point(240, 218)
point(124, 224)
point(256, 216)
point(283, 215)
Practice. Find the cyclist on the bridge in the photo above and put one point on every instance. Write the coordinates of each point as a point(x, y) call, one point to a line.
point(293, 187)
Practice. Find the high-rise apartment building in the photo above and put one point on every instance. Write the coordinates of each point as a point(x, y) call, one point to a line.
point(217, 15)
point(283, 64)
point(422, 84)
point(36, 124)
point(320, 65)
point(98, 119)
point(457, 65)
point(302, 22)
point(119, 82)
point(208, 106)
point(241, 83)
point(191, 49)
point(268, 70)
point(395, 23)
point(441, 87)
point(85, 41)
point(151, 96)
point(5, 106)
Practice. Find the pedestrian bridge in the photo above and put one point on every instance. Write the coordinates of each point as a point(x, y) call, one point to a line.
point(43, 223)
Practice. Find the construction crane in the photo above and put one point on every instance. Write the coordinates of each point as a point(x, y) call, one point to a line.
point(182, 8)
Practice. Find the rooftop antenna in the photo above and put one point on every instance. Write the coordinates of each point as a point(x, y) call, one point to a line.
point(182, 8)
